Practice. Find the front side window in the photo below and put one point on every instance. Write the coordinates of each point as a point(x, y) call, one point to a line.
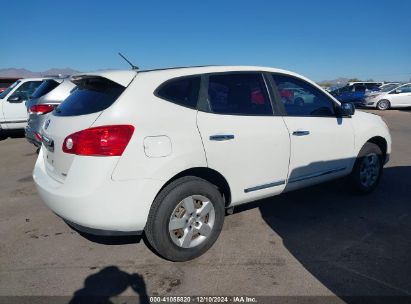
point(300, 98)
point(182, 91)
point(242, 94)
point(26, 90)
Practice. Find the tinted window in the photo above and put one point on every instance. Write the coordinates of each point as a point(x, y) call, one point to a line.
point(301, 98)
point(238, 94)
point(26, 90)
point(183, 91)
point(8, 90)
point(404, 89)
point(91, 95)
point(46, 87)
point(359, 88)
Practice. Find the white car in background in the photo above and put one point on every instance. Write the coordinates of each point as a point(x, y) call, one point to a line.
point(398, 97)
point(13, 111)
point(167, 151)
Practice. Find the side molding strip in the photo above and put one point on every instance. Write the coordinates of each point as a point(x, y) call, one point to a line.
point(265, 186)
point(304, 177)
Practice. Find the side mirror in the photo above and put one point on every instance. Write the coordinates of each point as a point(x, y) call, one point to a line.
point(15, 99)
point(347, 109)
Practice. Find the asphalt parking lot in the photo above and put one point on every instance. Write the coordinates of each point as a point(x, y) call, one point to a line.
point(319, 241)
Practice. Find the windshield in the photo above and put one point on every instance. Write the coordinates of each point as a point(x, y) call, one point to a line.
point(7, 91)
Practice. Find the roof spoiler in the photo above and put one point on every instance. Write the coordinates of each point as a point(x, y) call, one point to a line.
point(122, 78)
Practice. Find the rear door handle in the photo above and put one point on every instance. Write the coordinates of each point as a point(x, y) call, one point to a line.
point(221, 137)
point(301, 133)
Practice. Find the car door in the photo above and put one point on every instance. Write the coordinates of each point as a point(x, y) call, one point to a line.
point(14, 108)
point(401, 96)
point(242, 138)
point(322, 144)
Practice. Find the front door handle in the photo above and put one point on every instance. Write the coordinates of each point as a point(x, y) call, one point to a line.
point(221, 137)
point(301, 133)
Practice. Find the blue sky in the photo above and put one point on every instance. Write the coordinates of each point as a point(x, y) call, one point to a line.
point(319, 39)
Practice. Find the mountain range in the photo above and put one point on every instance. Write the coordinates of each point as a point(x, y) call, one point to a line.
point(23, 73)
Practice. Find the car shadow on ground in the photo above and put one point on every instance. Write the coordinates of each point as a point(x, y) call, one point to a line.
point(104, 286)
point(4, 134)
point(356, 246)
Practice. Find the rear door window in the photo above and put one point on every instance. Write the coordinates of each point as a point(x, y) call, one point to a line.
point(241, 94)
point(182, 91)
point(91, 95)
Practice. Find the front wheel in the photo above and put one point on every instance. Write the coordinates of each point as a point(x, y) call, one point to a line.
point(185, 219)
point(383, 105)
point(367, 169)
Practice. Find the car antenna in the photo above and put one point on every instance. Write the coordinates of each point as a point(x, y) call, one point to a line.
point(133, 67)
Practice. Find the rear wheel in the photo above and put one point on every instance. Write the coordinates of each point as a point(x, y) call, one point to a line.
point(186, 219)
point(367, 169)
point(383, 105)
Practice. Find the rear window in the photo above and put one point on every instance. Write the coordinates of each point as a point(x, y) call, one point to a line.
point(46, 87)
point(92, 95)
point(182, 91)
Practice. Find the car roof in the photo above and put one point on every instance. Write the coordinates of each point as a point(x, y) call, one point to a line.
point(124, 77)
point(34, 79)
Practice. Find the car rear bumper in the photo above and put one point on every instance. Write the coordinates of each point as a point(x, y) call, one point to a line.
point(31, 137)
point(90, 200)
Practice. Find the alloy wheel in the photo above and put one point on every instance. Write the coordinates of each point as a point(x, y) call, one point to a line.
point(191, 221)
point(369, 170)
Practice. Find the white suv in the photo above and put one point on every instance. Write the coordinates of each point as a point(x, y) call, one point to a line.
point(166, 151)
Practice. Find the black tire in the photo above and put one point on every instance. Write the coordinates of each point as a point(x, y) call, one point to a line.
point(157, 228)
point(357, 180)
point(383, 105)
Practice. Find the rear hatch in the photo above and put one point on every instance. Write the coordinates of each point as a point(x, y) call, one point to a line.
point(94, 94)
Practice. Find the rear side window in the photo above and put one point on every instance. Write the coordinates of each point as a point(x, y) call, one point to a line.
point(241, 94)
point(182, 91)
point(92, 95)
point(46, 87)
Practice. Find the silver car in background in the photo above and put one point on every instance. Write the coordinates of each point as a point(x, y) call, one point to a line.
point(45, 99)
point(391, 97)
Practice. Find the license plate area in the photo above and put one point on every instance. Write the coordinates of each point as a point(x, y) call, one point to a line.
point(48, 143)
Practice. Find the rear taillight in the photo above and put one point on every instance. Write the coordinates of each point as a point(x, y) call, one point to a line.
point(99, 141)
point(42, 109)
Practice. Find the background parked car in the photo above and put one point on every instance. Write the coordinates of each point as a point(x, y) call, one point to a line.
point(355, 91)
point(45, 99)
point(13, 113)
point(398, 97)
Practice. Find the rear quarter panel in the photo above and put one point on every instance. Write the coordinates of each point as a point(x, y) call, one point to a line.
point(154, 117)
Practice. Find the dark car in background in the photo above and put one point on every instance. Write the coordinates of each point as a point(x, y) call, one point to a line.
point(355, 92)
point(45, 99)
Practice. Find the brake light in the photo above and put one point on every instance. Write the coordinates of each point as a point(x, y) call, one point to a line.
point(99, 141)
point(42, 109)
